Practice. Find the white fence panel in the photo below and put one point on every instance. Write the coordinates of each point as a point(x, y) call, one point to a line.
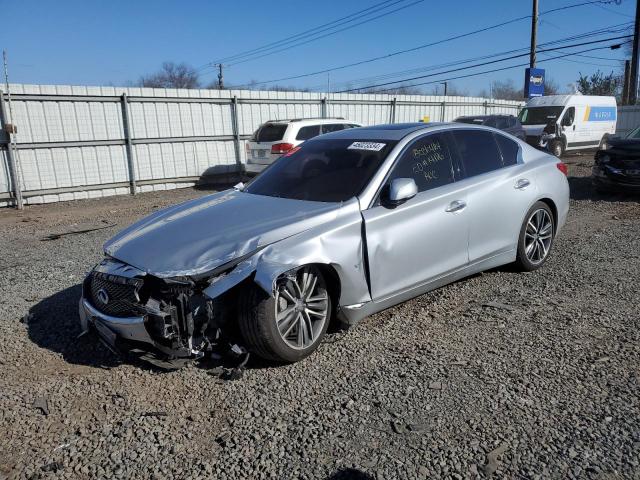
point(5, 178)
point(72, 141)
point(628, 119)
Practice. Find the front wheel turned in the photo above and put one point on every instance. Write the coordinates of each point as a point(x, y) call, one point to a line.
point(289, 326)
point(536, 237)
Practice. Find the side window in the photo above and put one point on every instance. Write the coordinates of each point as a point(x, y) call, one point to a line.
point(305, 133)
point(509, 150)
point(332, 127)
point(428, 161)
point(478, 151)
point(569, 116)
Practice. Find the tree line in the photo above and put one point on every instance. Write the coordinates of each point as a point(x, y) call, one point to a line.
point(182, 75)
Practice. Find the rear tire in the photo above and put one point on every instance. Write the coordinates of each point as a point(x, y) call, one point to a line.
point(291, 325)
point(536, 237)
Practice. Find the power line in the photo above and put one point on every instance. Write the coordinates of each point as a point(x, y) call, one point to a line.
point(490, 71)
point(610, 29)
point(426, 45)
point(314, 30)
point(329, 34)
point(485, 63)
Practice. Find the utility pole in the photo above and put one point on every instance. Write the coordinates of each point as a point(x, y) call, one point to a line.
point(633, 84)
point(445, 88)
point(627, 81)
point(220, 78)
point(11, 131)
point(534, 34)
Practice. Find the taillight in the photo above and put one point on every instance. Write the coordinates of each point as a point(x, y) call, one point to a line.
point(563, 167)
point(280, 148)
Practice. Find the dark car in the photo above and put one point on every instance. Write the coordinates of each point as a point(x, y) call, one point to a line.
point(617, 167)
point(506, 123)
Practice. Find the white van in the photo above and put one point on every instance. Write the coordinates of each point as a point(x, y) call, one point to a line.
point(563, 123)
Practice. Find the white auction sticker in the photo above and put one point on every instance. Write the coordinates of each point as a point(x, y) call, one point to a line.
point(372, 146)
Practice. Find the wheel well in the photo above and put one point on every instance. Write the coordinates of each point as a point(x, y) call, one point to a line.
point(554, 211)
point(333, 282)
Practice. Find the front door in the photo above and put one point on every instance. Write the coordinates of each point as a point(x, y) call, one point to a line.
point(425, 237)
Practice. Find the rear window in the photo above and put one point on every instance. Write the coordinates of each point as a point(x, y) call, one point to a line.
point(478, 151)
point(271, 132)
point(332, 170)
point(306, 133)
point(509, 150)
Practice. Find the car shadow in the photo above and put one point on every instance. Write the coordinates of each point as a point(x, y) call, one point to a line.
point(350, 474)
point(581, 188)
point(54, 324)
point(219, 177)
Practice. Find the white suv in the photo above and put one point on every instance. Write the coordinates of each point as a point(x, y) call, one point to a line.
point(274, 138)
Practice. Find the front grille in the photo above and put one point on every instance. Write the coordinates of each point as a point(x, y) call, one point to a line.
point(120, 294)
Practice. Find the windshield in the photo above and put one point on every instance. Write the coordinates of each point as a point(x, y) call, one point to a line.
point(323, 170)
point(634, 134)
point(539, 115)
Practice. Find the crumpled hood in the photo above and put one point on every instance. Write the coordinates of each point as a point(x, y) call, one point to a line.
point(199, 235)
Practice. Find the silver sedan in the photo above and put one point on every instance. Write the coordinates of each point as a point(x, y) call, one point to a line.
point(346, 225)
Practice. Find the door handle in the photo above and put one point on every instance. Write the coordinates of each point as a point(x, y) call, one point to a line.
point(456, 206)
point(574, 128)
point(522, 184)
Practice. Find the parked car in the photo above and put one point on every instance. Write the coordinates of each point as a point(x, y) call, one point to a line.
point(351, 223)
point(563, 123)
point(506, 123)
point(617, 167)
point(274, 138)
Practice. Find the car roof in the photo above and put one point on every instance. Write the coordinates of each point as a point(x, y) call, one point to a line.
point(312, 121)
point(392, 131)
point(485, 117)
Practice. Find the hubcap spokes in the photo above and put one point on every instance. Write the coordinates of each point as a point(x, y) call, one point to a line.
point(538, 236)
point(302, 307)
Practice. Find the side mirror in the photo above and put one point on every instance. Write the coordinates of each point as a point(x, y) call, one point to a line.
point(239, 186)
point(401, 190)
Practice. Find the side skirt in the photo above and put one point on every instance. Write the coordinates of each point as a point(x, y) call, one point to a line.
point(352, 314)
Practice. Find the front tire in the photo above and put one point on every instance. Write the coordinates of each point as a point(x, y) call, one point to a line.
point(556, 148)
point(291, 325)
point(536, 237)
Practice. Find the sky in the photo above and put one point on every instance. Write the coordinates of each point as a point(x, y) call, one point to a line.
point(100, 42)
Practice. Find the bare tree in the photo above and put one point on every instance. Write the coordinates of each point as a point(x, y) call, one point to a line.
point(551, 87)
point(599, 84)
point(172, 75)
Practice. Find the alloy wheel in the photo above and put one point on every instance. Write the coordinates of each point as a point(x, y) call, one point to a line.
point(302, 308)
point(538, 236)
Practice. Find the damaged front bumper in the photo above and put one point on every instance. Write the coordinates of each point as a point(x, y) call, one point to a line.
point(110, 328)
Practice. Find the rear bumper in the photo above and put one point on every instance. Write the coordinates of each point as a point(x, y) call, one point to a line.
point(254, 168)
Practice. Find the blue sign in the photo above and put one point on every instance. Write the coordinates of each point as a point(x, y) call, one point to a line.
point(533, 82)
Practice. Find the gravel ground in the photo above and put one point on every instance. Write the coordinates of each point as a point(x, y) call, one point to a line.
point(505, 374)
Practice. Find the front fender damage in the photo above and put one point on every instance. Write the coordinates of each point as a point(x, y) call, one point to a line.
point(191, 315)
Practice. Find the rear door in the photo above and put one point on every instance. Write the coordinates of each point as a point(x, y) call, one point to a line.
point(498, 188)
point(425, 237)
